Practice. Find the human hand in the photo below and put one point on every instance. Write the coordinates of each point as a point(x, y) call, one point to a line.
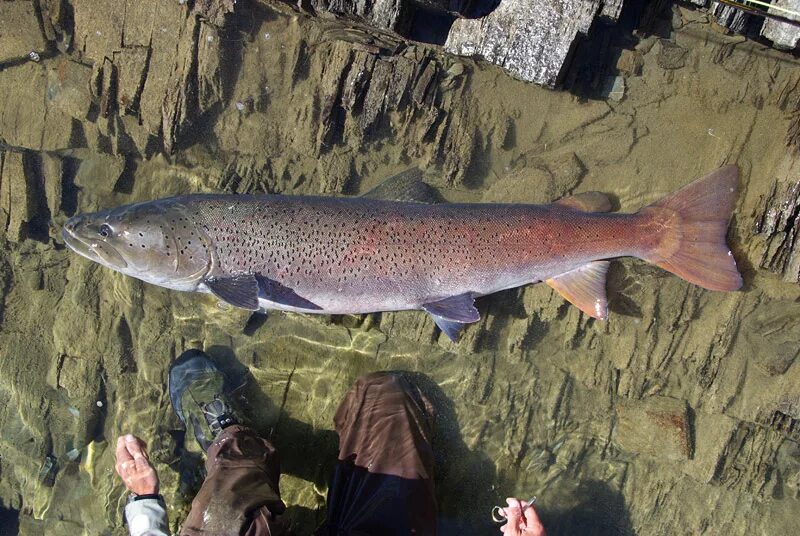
point(521, 519)
point(133, 466)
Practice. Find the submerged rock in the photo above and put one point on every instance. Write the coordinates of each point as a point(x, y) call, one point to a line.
point(779, 222)
point(20, 34)
point(657, 426)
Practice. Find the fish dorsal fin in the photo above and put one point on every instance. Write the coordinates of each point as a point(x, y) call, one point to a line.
point(405, 186)
point(585, 287)
point(587, 202)
point(238, 290)
point(448, 327)
point(276, 292)
point(460, 308)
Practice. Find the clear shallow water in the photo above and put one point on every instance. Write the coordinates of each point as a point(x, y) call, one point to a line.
point(675, 416)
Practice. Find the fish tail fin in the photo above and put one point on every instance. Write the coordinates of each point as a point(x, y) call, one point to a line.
point(691, 225)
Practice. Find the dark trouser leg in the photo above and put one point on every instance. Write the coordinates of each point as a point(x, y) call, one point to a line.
point(240, 493)
point(383, 484)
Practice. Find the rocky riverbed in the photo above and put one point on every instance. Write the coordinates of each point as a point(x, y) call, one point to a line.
point(677, 415)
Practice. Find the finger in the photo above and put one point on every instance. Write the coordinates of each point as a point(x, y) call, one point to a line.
point(531, 516)
point(122, 454)
point(534, 524)
point(513, 512)
point(513, 502)
point(135, 446)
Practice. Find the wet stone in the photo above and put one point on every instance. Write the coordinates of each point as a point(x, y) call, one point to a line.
point(68, 88)
point(671, 56)
point(630, 63)
point(783, 36)
point(384, 14)
point(531, 41)
point(713, 434)
point(52, 171)
point(656, 426)
point(777, 222)
point(19, 32)
point(76, 376)
point(131, 64)
point(25, 121)
point(15, 209)
point(771, 334)
point(98, 27)
point(729, 17)
point(614, 88)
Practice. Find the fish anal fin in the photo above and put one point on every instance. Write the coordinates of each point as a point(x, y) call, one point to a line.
point(587, 202)
point(239, 290)
point(448, 327)
point(585, 288)
point(405, 186)
point(276, 292)
point(460, 308)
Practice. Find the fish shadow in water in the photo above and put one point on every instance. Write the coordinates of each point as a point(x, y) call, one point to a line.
point(464, 478)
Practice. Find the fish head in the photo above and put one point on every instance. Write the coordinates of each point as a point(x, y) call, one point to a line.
point(153, 241)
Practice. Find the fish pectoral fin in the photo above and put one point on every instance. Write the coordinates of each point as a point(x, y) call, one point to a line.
point(276, 292)
point(239, 290)
point(460, 308)
point(585, 288)
point(405, 186)
point(448, 327)
point(587, 202)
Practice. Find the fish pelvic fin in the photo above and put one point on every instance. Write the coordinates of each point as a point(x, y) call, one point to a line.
point(450, 314)
point(585, 288)
point(690, 227)
point(448, 327)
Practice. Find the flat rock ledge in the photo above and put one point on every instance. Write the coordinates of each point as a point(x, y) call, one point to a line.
point(530, 40)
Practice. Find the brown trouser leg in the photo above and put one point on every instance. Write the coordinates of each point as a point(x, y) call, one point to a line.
point(383, 484)
point(240, 493)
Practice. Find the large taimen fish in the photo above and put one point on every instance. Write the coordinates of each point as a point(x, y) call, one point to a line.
point(360, 255)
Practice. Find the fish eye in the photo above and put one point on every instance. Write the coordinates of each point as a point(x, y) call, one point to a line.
point(105, 230)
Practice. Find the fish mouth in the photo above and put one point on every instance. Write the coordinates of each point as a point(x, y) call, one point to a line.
point(94, 250)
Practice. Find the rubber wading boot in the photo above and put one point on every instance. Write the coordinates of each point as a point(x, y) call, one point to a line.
point(199, 396)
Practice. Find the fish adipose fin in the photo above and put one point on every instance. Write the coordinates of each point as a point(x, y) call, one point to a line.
point(585, 288)
point(587, 202)
point(405, 186)
point(239, 291)
point(276, 292)
point(692, 224)
point(450, 314)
